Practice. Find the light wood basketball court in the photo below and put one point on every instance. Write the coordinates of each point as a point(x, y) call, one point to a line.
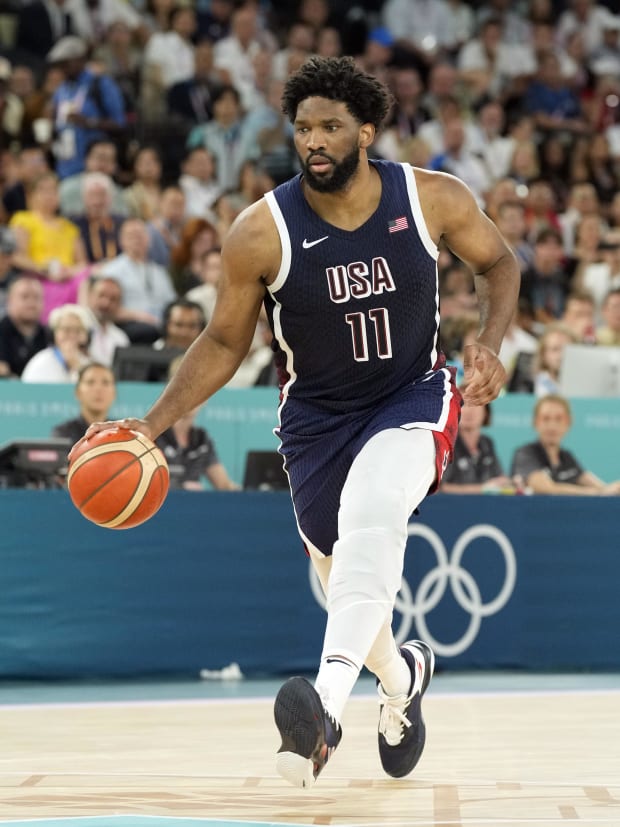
point(519, 759)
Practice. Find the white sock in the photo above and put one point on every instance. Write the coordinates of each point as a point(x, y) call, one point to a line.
point(335, 682)
point(386, 662)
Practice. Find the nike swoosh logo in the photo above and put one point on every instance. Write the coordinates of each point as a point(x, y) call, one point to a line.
point(307, 244)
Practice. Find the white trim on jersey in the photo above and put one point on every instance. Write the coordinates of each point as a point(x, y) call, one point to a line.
point(445, 410)
point(429, 245)
point(416, 209)
point(279, 281)
point(285, 241)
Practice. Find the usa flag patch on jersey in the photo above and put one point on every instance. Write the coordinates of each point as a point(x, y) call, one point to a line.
point(398, 224)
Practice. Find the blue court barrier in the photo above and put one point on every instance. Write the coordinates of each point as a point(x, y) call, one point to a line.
point(214, 578)
point(242, 420)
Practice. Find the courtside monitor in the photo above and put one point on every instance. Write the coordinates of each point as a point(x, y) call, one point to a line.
point(35, 463)
point(264, 472)
point(590, 370)
point(143, 363)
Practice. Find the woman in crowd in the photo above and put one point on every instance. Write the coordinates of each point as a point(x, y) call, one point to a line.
point(545, 467)
point(61, 361)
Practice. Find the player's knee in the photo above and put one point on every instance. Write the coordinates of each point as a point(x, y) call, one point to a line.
point(385, 509)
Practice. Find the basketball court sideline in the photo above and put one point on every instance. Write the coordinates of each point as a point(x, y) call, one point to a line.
point(509, 750)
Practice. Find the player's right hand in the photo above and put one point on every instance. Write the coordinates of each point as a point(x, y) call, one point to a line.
point(140, 425)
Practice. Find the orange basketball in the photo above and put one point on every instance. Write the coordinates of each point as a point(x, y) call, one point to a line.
point(118, 478)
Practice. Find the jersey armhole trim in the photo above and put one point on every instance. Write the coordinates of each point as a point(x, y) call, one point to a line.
point(416, 209)
point(285, 242)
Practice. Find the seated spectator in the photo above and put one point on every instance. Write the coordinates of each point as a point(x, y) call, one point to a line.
point(61, 361)
point(183, 323)
point(548, 362)
point(540, 209)
point(545, 283)
point(604, 275)
point(165, 229)
point(104, 299)
point(234, 55)
point(168, 59)
point(99, 227)
point(475, 468)
point(226, 136)
point(609, 333)
point(21, 332)
point(582, 201)
point(49, 244)
point(95, 391)
point(143, 195)
point(191, 455)
point(85, 106)
point(146, 286)
point(31, 165)
point(491, 67)
point(192, 99)
point(198, 181)
point(511, 224)
point(198, 236)
point(459, 160)
point(101, 156)
point(587, 247)
point(578, 316)
point(210, 271)
point(550, 100)
point(545, 467)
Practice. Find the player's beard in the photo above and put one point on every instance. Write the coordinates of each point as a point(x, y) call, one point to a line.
point(341, 172)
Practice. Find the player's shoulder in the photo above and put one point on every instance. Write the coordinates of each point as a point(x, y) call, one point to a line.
point(252, 240)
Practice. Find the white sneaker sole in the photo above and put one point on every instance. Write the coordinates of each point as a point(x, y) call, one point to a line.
point(295, 769)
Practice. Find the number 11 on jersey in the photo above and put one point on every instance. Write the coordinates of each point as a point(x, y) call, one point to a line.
point(380, 323)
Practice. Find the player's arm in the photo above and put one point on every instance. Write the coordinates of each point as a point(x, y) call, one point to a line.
point(452, 214)
point(250, 259)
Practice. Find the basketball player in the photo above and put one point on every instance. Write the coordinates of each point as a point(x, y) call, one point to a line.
point(344, 258)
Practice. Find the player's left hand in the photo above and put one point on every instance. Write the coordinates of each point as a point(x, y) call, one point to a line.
point(484, 374)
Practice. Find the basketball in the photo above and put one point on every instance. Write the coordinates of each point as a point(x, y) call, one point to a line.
point(118, 478)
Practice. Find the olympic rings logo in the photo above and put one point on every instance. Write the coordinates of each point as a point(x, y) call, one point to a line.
point(432, 588)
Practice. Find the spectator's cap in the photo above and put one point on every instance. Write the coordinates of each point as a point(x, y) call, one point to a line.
point(8, 242)
point(60, 313)
point(67, 48)
point(382, 36)
point(5, 69)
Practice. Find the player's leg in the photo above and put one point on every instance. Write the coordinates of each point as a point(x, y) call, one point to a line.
point(387, 481)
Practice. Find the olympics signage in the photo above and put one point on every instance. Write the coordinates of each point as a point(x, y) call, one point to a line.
point(449, 573)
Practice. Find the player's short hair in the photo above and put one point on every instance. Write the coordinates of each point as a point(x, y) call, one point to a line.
point(338, 79)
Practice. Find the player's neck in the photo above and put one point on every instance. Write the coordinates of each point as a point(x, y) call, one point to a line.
point(350, 207)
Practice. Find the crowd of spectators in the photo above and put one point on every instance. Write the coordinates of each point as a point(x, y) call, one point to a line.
point(132, 132)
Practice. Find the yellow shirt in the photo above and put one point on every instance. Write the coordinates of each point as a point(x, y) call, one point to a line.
point(48, 241)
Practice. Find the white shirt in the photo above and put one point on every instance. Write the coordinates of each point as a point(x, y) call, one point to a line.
point(47, 366)
point(423, 22)
point(229, 54)
point(173, 56)
point(104, 341)
point(199, 197)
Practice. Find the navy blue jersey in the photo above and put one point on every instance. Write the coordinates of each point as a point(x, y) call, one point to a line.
point(356, 318)
point(354, 312)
